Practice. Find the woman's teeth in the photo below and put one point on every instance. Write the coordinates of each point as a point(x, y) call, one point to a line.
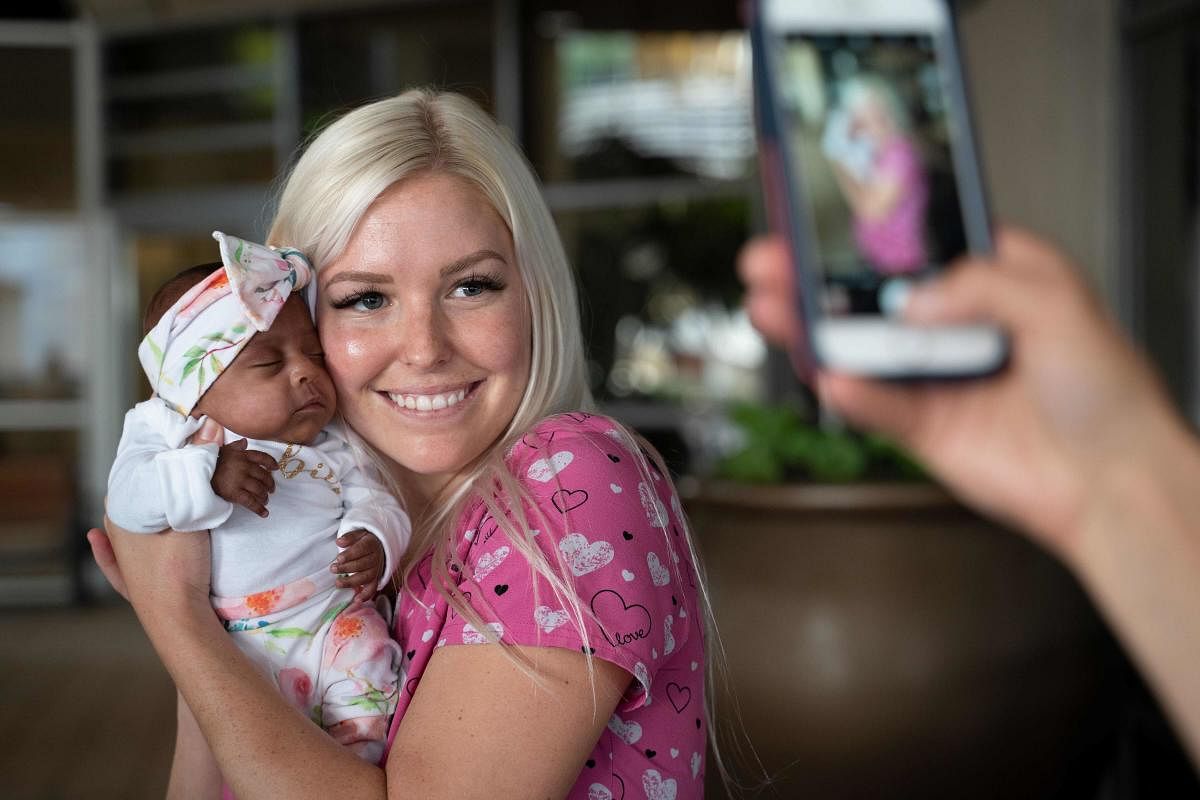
point(428, 402)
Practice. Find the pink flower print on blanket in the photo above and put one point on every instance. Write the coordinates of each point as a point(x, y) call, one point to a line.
point(360, 648)
point(296, 686)
point(260, 604)
point(358, 636)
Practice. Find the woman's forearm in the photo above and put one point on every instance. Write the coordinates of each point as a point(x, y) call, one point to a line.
point(1138, 550)
point(264, 748)
point(194, 771)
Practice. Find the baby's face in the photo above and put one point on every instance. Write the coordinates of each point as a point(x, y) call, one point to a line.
point(277, 387)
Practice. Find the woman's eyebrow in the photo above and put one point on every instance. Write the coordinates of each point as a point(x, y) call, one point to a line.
point(361, 277)
point(466, 262)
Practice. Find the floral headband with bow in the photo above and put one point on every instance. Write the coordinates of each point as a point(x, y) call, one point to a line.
point(205, 329)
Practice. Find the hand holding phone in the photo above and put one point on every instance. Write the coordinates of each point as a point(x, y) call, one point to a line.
point(870, 171)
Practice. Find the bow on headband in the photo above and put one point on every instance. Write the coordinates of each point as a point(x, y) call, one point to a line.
point(205, 329)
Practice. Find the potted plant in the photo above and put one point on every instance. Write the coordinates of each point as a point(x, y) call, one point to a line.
point(882, 640)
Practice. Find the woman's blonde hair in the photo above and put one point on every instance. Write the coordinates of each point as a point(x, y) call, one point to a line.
point(330, 187)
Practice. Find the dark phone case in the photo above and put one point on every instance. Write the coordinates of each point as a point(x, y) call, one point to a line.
point(775, 171)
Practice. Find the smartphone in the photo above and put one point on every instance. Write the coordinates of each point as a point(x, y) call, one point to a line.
point(870, 170)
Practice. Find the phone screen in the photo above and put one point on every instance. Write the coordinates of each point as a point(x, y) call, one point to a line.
point(869, 129)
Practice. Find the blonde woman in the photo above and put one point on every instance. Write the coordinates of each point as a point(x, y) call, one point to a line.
point(550, 608)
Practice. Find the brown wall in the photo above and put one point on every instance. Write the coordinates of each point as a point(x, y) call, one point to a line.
point(1044, 81)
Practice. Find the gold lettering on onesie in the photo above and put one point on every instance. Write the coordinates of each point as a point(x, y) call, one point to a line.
point(291, 465)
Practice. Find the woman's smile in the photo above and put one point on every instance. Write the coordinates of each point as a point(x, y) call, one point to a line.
point(429, 401)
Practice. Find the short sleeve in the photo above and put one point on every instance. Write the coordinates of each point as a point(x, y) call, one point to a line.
point(607, 522)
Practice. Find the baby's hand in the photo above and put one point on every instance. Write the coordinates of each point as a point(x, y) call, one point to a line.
point(361, 563)
point(244, 476)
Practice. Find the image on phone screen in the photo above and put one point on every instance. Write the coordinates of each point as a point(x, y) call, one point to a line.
point(867, 119)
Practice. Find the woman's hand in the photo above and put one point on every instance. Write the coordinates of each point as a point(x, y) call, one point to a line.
point(186, 560)
point(106, 559)
point(1031, 445)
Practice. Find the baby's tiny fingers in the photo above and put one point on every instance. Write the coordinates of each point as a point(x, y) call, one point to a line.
point(253, 481)
point(261, 459)
point(251, 501)
point(349, 564)
point(353, 537)
point(366, 578)
point(368, 548)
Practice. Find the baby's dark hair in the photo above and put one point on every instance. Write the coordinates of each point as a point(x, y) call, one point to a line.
point(174, 289)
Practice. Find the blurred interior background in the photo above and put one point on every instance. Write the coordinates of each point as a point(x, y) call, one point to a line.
point(915, 650)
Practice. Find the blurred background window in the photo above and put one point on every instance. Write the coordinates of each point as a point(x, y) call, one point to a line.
point(37, 128)
point(640, 127)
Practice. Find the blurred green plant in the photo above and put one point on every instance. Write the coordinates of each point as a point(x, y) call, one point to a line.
point(781, 446)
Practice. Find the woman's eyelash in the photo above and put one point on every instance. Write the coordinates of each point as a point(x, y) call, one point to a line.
point(482, 280)
point(354, 297)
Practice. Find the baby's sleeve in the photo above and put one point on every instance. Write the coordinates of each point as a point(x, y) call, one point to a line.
point(605, 527)
point(157, 483)
point(368, 505)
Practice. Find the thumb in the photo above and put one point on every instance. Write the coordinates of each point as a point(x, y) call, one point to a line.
point(210, 432)
point(973, 291)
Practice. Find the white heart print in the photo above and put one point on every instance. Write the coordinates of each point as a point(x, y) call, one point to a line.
point(544, 469)
point(659, 575)
point(489, 561)
point(627, 732)
point(643, 675)
point(674, 752)
point(598, 791)
point(656, 512)
point(677, 508)
point(658, 788)
point(627, 575)
point(583, 556)
point(615, 489)
point(549, 619)
point(472, 636)
point(668, 637)
point(695, 765)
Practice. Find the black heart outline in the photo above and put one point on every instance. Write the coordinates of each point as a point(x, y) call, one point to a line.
point(566, 499)
point(619, 639)
point(682, 691)
point(543, 439)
